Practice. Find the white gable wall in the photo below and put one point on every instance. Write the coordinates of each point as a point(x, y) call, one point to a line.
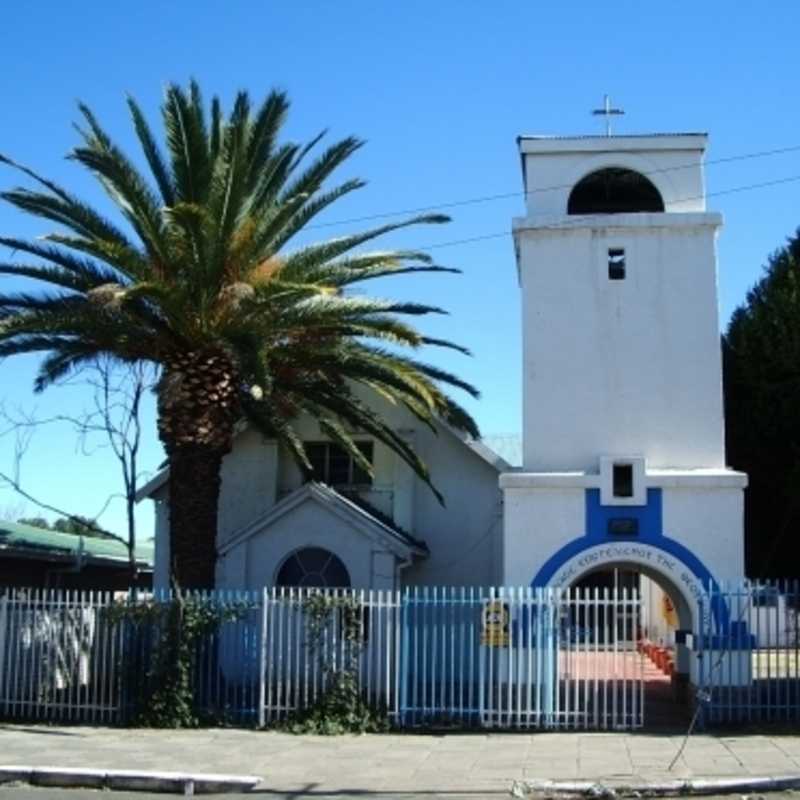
point(255, 562)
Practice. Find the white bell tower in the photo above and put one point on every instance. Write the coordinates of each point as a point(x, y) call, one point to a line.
point(623, 429)
point(617, 266)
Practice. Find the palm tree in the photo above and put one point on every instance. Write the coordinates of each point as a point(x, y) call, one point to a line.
point(200, 282)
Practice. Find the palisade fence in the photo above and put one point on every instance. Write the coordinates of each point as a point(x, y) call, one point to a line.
point(751, 672)
point(502, 658)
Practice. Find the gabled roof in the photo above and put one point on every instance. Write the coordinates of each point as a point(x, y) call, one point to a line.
point(29, 541)
point(357, 516)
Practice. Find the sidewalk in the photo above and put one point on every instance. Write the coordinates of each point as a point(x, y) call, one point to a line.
point(457, 763)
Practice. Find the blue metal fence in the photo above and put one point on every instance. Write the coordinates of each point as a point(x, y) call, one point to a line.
point(750, 671)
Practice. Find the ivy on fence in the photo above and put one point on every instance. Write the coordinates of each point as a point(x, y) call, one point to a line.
point(341, 707)
point(166, 694)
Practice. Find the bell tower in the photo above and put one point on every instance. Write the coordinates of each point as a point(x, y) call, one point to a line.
point(617, 266)
point(623, 429)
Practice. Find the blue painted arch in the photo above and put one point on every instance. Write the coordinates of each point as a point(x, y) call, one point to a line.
point(648, 519)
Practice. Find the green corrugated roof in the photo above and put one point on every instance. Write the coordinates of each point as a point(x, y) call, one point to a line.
point(15, 536)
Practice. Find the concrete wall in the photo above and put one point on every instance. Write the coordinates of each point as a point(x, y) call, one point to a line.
point(552, 166)
point(706, 519)
point(625, 367)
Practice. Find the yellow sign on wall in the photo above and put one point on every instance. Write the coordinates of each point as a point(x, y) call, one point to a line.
point(668, 611)
point(495, 624)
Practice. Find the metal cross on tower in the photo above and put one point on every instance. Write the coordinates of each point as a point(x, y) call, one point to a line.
point(607, 111)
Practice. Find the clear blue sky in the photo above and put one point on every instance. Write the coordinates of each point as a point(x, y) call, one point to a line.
point(440, 91)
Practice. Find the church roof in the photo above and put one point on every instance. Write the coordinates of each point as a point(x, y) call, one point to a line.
point(506, 446)
point(539, 137)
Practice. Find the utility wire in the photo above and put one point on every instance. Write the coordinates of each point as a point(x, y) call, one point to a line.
point(580, 220)
point(507, 195)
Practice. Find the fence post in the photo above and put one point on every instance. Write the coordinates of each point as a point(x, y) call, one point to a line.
point(3, 640)
point(262, 661)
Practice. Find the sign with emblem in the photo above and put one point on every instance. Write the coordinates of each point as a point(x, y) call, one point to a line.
point(495, 619)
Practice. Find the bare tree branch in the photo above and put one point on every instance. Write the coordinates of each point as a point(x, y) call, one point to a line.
point(111, 422)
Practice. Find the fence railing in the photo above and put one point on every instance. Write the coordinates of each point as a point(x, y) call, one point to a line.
point(503, 657)
point(752, 671)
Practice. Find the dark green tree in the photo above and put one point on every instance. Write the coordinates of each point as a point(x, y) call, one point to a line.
point(80, 525)
point(35, 522)
point(204, 280)
point(761, 358)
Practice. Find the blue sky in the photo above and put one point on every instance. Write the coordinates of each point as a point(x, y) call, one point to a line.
point(439, 91)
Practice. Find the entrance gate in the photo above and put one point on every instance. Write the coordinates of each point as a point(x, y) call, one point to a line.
point(522, 658)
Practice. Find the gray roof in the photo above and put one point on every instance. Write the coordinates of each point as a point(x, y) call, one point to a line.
point(539, 137)
point(508, 446)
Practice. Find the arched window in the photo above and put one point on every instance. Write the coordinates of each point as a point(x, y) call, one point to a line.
point(313, 566)
point(614, 191)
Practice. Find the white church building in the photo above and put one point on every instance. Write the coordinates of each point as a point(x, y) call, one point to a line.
point(623, 460)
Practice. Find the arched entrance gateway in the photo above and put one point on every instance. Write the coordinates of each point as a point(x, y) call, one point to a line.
point(632, 600)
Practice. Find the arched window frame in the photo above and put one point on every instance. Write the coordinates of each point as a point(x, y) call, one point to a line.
point(333, 558)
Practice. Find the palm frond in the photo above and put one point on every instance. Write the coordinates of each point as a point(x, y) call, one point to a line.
point(326, 251)
point(152, 152)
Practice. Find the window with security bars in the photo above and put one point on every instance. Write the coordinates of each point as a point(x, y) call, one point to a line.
point(333, 465)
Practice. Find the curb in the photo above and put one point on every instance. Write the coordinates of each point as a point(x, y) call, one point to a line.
point(684, 787)
point(186, 783)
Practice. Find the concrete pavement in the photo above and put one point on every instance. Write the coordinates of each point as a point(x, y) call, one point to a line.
point(466, 764)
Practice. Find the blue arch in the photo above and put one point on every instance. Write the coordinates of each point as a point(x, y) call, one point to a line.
point(648, 519)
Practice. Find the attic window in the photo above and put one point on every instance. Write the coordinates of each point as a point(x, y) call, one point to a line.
point(333, 465)
point(313, 566)
point(616, 264)
point(622, 480)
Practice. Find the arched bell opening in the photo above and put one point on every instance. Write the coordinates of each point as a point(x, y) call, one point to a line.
point(614, 190)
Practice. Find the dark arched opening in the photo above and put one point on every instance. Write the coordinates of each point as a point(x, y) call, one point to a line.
point(313, 567)
point(614, 190)
point(640, 628)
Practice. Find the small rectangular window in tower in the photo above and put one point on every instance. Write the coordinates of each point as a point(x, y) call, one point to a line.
point(616, 264)
point(623, 480)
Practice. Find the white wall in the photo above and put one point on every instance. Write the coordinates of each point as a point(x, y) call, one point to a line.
point(630, 367)
point(255, 562)
point(249, 482)
point(465, 536)
point(710, 523)
point(704, 515)
point(552, 166)
point(537, 524)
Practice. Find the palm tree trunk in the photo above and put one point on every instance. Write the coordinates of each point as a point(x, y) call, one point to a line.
point(194, 487)
point(197, 409)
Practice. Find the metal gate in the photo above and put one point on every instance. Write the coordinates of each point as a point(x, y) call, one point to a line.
point(522, 658)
